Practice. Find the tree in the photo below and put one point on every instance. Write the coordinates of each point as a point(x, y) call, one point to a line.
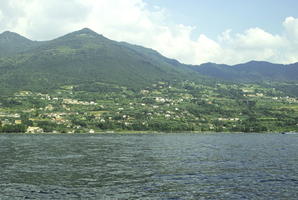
point(19, 128)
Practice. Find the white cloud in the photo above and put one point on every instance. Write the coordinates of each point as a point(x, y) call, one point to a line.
point(256, 38)
point(132, 21)
point(291, 27)
point(257, 44)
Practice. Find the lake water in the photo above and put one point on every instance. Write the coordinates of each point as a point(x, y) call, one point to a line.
point(148, 166)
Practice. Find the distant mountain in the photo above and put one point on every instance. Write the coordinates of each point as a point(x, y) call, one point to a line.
point(81, 57)
point(13, 43)
point(253, 71)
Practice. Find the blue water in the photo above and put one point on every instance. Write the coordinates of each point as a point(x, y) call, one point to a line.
point(148, 166)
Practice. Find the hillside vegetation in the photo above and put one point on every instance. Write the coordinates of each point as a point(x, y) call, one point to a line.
point(80, 57)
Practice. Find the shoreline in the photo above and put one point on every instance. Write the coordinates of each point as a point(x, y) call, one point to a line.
point(145, 132)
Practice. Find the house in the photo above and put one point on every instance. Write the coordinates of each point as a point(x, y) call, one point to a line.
point(34, 129)
point(91, 131)
point(18, 121)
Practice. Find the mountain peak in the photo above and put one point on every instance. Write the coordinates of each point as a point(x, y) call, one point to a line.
point(7, 35)
point(86, 31)
point(254, 62)
point(12, 43)
point(82, 34)
point(12, 36)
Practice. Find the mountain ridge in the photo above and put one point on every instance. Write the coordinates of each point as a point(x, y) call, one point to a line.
point(252, 71)
point(85, 56)
point(12, 43)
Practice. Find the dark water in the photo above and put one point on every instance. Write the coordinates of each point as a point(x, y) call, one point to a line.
point(171, 166)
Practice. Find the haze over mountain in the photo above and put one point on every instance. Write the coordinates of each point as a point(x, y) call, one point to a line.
point(83, 57)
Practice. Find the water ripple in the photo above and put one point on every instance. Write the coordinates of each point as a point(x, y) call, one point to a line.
point(170, 166)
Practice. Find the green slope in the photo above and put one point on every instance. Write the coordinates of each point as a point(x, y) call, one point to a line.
point(13, 43)
point(85, 56)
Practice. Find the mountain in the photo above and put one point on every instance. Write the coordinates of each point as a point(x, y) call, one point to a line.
point(82, 57)
point(85, 58)
point(13, 43)
point(254, 71)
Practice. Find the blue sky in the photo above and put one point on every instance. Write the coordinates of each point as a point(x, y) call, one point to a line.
point(211, 17)
point(191, 31)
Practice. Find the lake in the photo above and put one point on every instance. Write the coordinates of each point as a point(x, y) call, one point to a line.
point(149, 166)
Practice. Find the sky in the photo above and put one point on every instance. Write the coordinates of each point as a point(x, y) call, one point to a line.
point(191, 31)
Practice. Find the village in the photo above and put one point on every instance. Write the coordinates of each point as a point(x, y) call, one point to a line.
point(164, 107)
